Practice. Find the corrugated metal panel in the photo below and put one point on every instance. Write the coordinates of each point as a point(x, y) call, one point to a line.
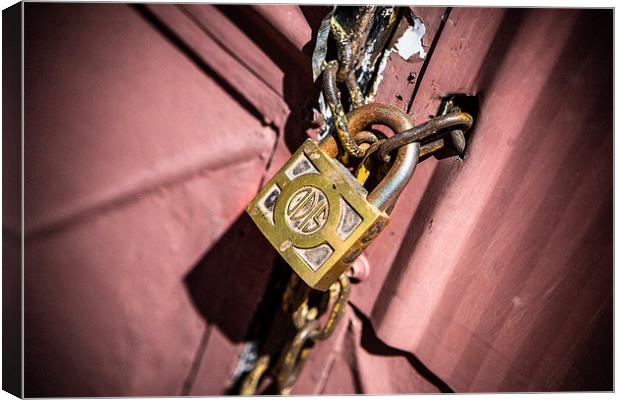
point(129, 144)
point(497, 270)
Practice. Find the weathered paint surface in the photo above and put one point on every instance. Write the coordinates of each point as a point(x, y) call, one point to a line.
point(503, 278)
point(149, 128)
point(403, 73)
point(138, 162)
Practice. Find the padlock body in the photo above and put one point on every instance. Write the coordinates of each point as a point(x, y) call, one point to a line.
point(316, 215)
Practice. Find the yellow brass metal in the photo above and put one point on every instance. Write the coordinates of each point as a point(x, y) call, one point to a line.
point(310, 331)
point(252, 379)
point(315, 214)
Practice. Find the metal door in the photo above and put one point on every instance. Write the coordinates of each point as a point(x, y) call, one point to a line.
point(149, 128)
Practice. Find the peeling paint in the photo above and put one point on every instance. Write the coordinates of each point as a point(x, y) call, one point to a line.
point(387, 11)
point(410, 42)
point(379, 77)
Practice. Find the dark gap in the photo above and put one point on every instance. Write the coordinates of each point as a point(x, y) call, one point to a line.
point(193, 371)
point(164, 30)
point(466, 103)
point(262, 322)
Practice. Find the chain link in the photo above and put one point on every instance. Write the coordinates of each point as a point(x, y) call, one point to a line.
point(305, 309)
point(311, 332)
point(343, 70)
point(424, 131)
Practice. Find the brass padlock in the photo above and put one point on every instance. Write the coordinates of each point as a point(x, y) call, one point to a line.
point(316, 214)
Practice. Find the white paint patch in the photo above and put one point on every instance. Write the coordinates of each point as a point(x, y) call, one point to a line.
point(410, 42)
point(379, 77)
point(365, 63)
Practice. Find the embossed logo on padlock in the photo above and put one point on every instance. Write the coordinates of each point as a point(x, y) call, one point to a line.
point(315, 214)
point(307, 210)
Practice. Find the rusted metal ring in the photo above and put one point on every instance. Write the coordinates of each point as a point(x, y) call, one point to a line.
point(423, 131)
point(387, 191)
point(365, 137)
point(252, 379)
point(293, 358)
point(337, 310)
point(293, 361)
point(384, 195)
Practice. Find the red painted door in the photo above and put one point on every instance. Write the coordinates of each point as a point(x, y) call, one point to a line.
point(149, 128)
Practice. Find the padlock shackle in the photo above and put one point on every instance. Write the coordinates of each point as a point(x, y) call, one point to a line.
point(384, 195)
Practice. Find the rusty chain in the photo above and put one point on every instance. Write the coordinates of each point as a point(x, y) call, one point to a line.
point(342, 70)
point(310, 332)
point(424, 131)
point(305, 313)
